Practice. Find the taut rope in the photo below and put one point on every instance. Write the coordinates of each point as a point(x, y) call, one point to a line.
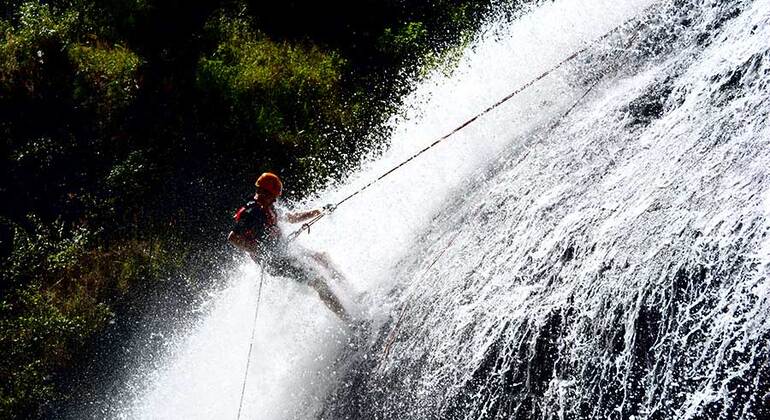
point(251, 345)
point(306, 226)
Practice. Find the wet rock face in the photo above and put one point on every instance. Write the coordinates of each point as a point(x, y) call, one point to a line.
point(651, 104)
point(629, 277)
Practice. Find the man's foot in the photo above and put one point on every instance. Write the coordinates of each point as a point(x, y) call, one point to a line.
point(330, 299)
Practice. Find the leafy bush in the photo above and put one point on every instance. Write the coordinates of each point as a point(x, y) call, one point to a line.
point(264, 79)
point(407, 40)
point(106, 77)
point(25, 49)
point(64, 290)
point(49, 249)
point(281, 98)
point(38, 333)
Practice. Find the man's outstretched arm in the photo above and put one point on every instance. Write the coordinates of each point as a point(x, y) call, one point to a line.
point(301, 216)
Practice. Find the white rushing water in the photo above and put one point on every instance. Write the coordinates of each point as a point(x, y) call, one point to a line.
point(613, 266)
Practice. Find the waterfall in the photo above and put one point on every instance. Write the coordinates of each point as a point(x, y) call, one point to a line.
point(612, 263)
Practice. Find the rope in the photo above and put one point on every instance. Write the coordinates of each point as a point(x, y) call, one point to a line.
point(251, 345)
point(391, 339)
point(306, 226)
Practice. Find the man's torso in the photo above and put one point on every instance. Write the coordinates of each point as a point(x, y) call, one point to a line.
point(257, 224)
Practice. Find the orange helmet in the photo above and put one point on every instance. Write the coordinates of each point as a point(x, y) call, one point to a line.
point(270, 182)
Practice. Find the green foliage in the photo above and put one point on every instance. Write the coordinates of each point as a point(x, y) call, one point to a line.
point(64, 95)
point(409, 40)
point(42, 152)
point(280, 99)
point(37, 336)
point(100, 77)
point(123, 175)
point(107, 77)
point(49, 249)
point(248, 61)
point(261, 80)
point(24, 50)
point(67, 289)
point(70, 261)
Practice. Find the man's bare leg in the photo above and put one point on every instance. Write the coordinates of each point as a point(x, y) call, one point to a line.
point(330, 299)
point(323, 259)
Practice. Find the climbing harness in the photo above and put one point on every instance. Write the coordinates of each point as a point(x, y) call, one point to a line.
point(306, 226)
point(251, 344)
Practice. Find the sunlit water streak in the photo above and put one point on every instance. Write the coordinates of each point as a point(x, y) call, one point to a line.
point(614, 266)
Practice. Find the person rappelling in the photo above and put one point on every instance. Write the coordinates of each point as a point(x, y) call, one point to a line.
point(256, 232)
